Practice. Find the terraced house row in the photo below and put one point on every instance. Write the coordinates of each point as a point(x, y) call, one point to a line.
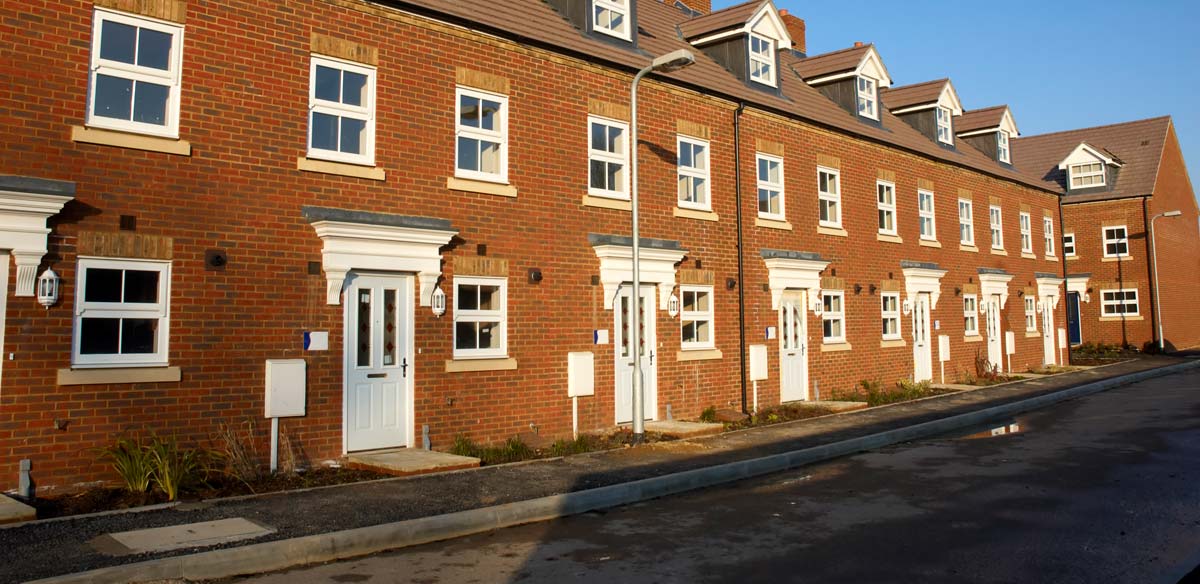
point(419, 214)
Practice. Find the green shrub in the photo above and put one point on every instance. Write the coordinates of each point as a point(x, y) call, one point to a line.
point(709, 414)
point(132, 462)
point(564, 447)
point(176, 469)
point(512, 450)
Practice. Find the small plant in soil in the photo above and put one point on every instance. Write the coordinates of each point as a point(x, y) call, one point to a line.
point(874, 394)
point(779, 414)
point(175, 468)
point(709, 415)
point(132, 462)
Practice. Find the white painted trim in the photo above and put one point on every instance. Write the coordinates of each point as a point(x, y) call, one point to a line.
point(3, 314)
point(608, 157)
point(23, 232)
point(782, 38)
point(480, 315)
point(364, 113)
point(172, 78)
point(923, 281)
point(769, 186)
point(887, 207)
point(787, 273)
point(498, 135)
point(621, 7)
point(1076, 157)
point(1079, 285)
point(834, 197)
point(159, 311)
point(709, 315)
point(1105, 240)
point(1049, 288)
point(693, 171)
point(993, 285)
point(655, 266)
point(360, 246)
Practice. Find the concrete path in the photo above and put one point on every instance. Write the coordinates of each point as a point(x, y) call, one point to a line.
point(13, 511)
point(381, 513)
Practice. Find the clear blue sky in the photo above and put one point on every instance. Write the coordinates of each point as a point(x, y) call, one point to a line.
point(1060, 64)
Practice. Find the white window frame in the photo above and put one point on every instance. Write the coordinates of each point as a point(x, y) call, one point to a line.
point(617, 6)
point(834, 197)
point(692, 172)
point(1106, 304)
point(366, 113)
point(767, 60)
point(970, 315)
point(687, 316)
point(476, 315)
point(1048, 235)
point(608, 157)
point(945, 129)
point(1123, 240)
point(892, 316)
point(868, 99)
point(499, 136)
point(172, 78)
point(996, 223)
point(929, 214)
point(1026, 232)
point(1076, 172)
point(1003, 153)
point(160, 311)
point(766, 185)
point(1030, 314)
point(828, 315)
point(967, 222)
point(1069, 244)
point(886, 209)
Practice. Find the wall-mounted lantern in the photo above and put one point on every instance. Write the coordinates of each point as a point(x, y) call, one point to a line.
point(673, 306)
point(818, 307)
point(47, 288)
point(438, 302)
point(907, 306)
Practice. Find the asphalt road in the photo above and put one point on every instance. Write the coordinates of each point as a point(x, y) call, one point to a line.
point(1102, 489)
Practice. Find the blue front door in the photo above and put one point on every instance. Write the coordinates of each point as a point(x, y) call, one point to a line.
point(1073, 328)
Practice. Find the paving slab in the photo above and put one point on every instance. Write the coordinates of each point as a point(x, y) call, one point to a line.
point(410, 461)
point(838, 406)
point(681, 429)
point(13, 511)
point(175, 537)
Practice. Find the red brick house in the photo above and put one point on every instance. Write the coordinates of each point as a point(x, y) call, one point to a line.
point(428, 205)
point(1117, 179)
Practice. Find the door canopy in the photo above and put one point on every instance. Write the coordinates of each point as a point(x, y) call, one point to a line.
point(922, 278)
point(792, 270)
point(25, 205)
point(993, 281)
point(1048, 287)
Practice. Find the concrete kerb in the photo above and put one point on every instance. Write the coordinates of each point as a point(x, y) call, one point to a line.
point(283, 554)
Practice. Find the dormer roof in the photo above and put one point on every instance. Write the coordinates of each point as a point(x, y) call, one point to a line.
point(858, 60)
point(919, 96)
point(1086, 153)
point(758, 16)
point(989, 119)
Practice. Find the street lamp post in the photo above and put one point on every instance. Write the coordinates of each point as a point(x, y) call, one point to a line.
point(668, 62)
point(1154, 252)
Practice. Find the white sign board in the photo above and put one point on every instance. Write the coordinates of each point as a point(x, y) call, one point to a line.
point(285, 388)
point(943, 348)
point(1062, 338)
point(1010, 343)
point(758, 362)
point(600, 336)
point(581, 374)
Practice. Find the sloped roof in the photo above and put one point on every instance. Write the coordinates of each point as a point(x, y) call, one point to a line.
point(726, 18)
point(980, 119)
point(1138, 145)
point(830, 63)
point(909, 95)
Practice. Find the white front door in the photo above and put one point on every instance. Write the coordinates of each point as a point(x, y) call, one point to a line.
point(793, 347)
point(1050, 357)
point(624, 355)
point(378, 361)
point(922, 349)
point(995, 336)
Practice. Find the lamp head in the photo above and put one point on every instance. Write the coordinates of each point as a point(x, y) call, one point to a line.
point(1174, 213)
point(673, 61)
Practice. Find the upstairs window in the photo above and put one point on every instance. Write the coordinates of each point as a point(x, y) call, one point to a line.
point(1069, 244)
point(696, 317)
point(480, 317)
point(611, 17)
point(693, 174)
point(966, 222)
point(770, 187)
point(482, 136)
point(1116, 242)
point(136, 69)
point(945, 134)
point(997, 225)
point(829, 198)
point(970, 315)
point(868, 98)
point(1087, 175)
point(121, 313)
point(926, 215)
point(341, 105)
point(1026, 233)
point(1002, 147)
point(608, 158)
point(887, 207)
point(762, 60)
point(1048, 233)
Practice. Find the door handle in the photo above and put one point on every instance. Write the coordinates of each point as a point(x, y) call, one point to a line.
point(376, 375)
point(651, 357)
point(404, 367)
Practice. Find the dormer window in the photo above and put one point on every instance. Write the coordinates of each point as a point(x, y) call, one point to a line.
point(868, 98)
point(762, 60)
point(1087, 175)
point(945, 134)
point(611, 17)
point(1002, 147)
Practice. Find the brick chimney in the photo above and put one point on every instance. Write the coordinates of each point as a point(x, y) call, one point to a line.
point(795, 27)
point(701, 6)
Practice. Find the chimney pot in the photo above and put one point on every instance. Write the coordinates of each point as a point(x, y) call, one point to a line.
point(858, 44)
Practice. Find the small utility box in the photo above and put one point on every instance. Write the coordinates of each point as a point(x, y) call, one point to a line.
point(1010, 343)
point(285, 388)
point(581, 374)
point(943, 348)
point(758, 362)
point(1062, 337)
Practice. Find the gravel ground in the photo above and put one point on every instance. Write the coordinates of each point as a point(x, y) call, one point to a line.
point(51, 548)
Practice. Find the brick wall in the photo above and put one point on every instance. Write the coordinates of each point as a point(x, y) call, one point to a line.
point(1177, 243)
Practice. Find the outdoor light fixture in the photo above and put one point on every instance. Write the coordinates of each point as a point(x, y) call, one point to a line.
point(669, 62)
point(873, 289)
point(1157, 302)
point(730, 283)
point(907, 306)
point(438, 302)
point(957, 291)
point(673, 305)
point(858, 288)
point(47, 288)
point(818, 307)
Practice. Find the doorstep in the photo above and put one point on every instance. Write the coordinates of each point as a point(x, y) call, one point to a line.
point(409, 461)
point(14, 511)
point(680, 429)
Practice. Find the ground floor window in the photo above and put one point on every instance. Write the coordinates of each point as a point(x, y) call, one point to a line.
point(970, 315)
point(833, 316)
point(1119, 302)
point(1030, 314)
point(121, 312)
point(480, 317)
point(891, 315)
point(696, 317)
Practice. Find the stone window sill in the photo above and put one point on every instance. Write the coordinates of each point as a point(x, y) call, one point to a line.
point(694, 214)
point(462, 365)
point(607, 203)
point(973, 339)
point(699, 355)
point(340, 168)
point(888, 238)
point(1029, 256)
point(1052, 258)
point(480, 186)
point(121, 375)
point(930, 243)
point(999, 252)
point(892, 343)
point(1032, 334)
point(1072, 258)
point(772, 224)
point(133, 141)
point(1120, 318)
point(970, 248)
point(834, 231)
point(835, 347)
